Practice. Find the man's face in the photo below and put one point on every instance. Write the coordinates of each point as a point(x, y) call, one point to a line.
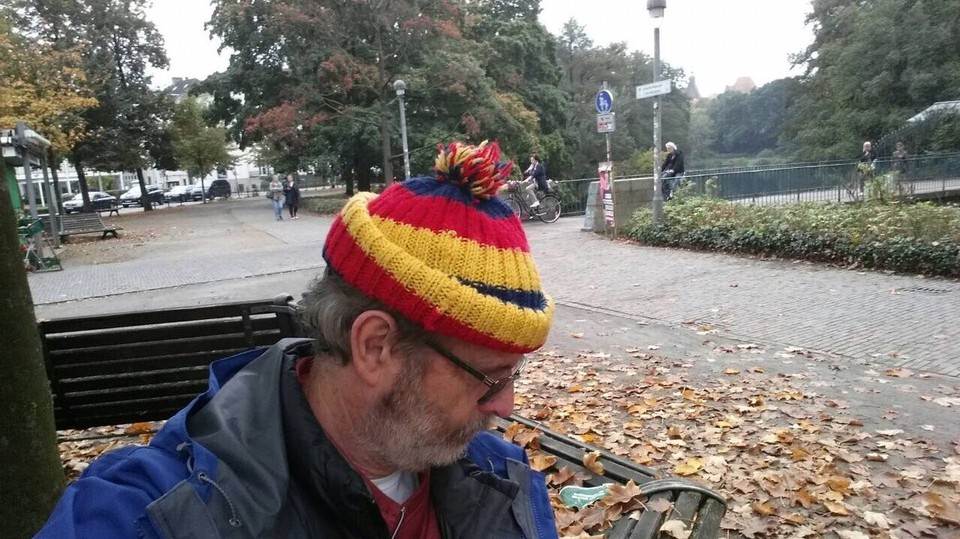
point(431, 413)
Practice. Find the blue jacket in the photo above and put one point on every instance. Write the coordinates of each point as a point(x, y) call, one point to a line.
point(226, 466)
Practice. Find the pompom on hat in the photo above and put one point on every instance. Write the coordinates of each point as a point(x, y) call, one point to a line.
point(446, 253)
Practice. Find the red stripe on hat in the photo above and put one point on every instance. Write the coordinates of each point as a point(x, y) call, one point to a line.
point(345, 256)
point(440, 214)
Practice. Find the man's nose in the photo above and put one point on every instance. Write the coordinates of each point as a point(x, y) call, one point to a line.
point(500, 404)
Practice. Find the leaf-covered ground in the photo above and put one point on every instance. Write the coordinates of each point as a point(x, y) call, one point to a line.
point(796, 454)
point(791, 461)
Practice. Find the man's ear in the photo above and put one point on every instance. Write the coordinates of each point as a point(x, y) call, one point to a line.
point(371, 347)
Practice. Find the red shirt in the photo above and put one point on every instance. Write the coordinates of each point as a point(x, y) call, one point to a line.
point(415, 517)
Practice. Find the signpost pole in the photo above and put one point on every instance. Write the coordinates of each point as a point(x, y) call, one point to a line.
point(613, 191)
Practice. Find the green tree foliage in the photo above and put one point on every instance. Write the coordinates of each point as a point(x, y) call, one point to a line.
point(117, 45)
point(586, 66)
point(198, 148)
point(873, 64)
point(751, 123)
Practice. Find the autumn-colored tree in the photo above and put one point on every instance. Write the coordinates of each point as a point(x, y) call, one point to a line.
point(118, 44)
point(45, 88)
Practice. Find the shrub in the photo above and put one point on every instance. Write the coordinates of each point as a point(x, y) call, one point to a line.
point(918, 238)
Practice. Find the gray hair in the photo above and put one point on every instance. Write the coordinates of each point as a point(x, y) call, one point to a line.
point(331, 305)
point(671, 146)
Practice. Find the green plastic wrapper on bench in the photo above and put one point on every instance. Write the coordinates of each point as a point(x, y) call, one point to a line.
point(581, 497)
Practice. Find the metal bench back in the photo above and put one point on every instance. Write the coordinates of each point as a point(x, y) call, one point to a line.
point(144, 366)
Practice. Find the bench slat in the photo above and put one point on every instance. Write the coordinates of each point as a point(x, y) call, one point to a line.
point(129, 379)
point(147, 364)
point(132, 393)
point(221, 343)
point(166, 332)
point(707, 525)
point(148, 318)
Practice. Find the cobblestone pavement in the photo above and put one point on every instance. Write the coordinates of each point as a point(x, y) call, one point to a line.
point(890, 320)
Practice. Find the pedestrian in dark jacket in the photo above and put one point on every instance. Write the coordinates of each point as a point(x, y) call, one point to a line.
point(291, 196)
point(376, 426)
point(671, 169)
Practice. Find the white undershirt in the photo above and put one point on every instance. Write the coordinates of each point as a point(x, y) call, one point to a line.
point(398, 486)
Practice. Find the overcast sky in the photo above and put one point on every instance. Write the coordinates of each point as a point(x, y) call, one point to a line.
point(715, 40)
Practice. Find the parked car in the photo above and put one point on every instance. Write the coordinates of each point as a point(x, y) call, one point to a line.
point(98, 199)
point(132, 197)
point(219, 189)
point(178, 193)
point(211, 190)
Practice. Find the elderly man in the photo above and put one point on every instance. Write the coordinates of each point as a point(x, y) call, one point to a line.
point(376, 427)
point(671, 170)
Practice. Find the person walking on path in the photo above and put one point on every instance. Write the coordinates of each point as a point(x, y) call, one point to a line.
point(671, 170)
point(376, 426)
point(291, 195)
point(275, 193)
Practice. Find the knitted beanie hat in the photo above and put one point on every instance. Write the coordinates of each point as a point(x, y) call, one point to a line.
point(446, 253)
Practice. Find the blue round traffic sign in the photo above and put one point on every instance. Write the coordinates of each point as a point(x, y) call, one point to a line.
point(604, 101)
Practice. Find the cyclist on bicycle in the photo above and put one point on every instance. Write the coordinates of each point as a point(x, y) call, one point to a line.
point(671, 170)
point(535, 178)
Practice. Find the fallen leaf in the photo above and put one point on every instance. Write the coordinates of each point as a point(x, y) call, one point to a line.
point(659, 505)
point(837, 508)
point(852, 534)
point(690, 467)
point(591, 461)
point(876, 519)
point(676, 529)
point(764, 509)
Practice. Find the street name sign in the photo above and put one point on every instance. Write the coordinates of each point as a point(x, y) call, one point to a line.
point(654, 88)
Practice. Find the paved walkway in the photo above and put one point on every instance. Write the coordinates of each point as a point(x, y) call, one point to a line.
point(896, 321)
point(890, 319)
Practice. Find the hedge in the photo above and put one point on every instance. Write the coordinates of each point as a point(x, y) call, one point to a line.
point(916, 238)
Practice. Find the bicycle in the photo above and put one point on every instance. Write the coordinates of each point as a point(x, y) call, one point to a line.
point(548, 211)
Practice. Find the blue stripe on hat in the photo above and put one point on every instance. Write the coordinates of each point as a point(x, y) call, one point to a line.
point(426, 186)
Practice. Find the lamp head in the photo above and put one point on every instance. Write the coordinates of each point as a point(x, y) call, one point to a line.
point(656, 7)
point(399, 86)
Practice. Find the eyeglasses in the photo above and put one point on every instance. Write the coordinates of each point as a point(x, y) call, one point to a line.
point(495, 386)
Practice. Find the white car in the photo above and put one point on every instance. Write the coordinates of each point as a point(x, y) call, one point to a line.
point(98, 199)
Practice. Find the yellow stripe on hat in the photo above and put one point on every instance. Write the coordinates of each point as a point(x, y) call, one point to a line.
point(525, 328)
point(463, 257)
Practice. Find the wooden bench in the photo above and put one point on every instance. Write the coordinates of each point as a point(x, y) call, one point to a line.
point(144, 366)
point(694, 504)
point(80, 223)
point(113, 209)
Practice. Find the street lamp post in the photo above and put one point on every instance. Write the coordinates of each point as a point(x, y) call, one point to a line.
point(401, 87)
point(656, 8)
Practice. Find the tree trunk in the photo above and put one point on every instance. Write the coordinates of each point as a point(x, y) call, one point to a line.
point(84, 192)
point(384, 117)
point(30, 468)
point(54, 167)
point(144, 195)
point(385, 136)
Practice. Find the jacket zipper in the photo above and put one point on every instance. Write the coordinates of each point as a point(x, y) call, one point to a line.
point(403, 511)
